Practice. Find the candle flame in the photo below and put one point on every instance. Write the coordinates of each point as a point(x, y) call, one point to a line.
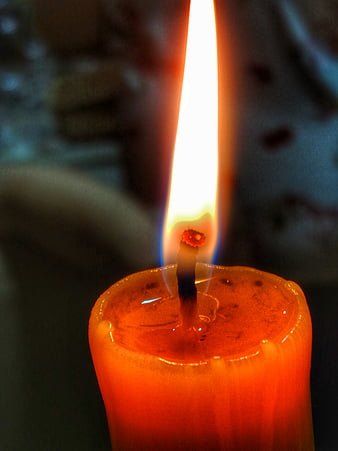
point(192, 201)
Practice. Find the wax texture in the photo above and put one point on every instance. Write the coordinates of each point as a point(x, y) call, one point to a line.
point(239, 381)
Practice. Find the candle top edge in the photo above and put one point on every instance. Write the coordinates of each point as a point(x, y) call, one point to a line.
point(241, 308)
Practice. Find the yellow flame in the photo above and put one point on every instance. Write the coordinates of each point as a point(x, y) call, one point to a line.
point(192, 201)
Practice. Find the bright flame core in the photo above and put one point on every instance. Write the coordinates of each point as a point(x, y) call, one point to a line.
point(192, 201)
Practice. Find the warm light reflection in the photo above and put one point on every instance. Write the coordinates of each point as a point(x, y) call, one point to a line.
point(192, 199)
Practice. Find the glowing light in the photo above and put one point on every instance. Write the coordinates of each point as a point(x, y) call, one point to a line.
point(149, 301)
point(192, 202)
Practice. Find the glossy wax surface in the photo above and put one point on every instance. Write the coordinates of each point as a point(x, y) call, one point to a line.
point(239, 380)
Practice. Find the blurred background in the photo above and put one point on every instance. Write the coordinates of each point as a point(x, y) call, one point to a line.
point(89, 97)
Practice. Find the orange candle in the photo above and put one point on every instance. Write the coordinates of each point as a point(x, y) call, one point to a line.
point(240, 381)
point(216, 362)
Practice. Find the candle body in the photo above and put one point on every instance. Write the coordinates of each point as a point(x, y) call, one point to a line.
point(240, 383)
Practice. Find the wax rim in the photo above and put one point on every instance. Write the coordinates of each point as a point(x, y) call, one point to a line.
point(300, 317)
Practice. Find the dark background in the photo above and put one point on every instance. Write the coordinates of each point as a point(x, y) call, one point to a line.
point(73, 150)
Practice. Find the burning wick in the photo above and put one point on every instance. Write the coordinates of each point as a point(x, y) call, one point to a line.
point(186, 262)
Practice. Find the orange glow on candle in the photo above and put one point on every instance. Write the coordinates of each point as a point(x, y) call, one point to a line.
point(240, 384)
point(192, 201)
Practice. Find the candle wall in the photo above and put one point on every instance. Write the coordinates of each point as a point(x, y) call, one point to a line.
point(238, 387)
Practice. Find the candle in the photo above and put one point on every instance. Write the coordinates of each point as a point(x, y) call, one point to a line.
point(241, 382)
point(195, 356)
